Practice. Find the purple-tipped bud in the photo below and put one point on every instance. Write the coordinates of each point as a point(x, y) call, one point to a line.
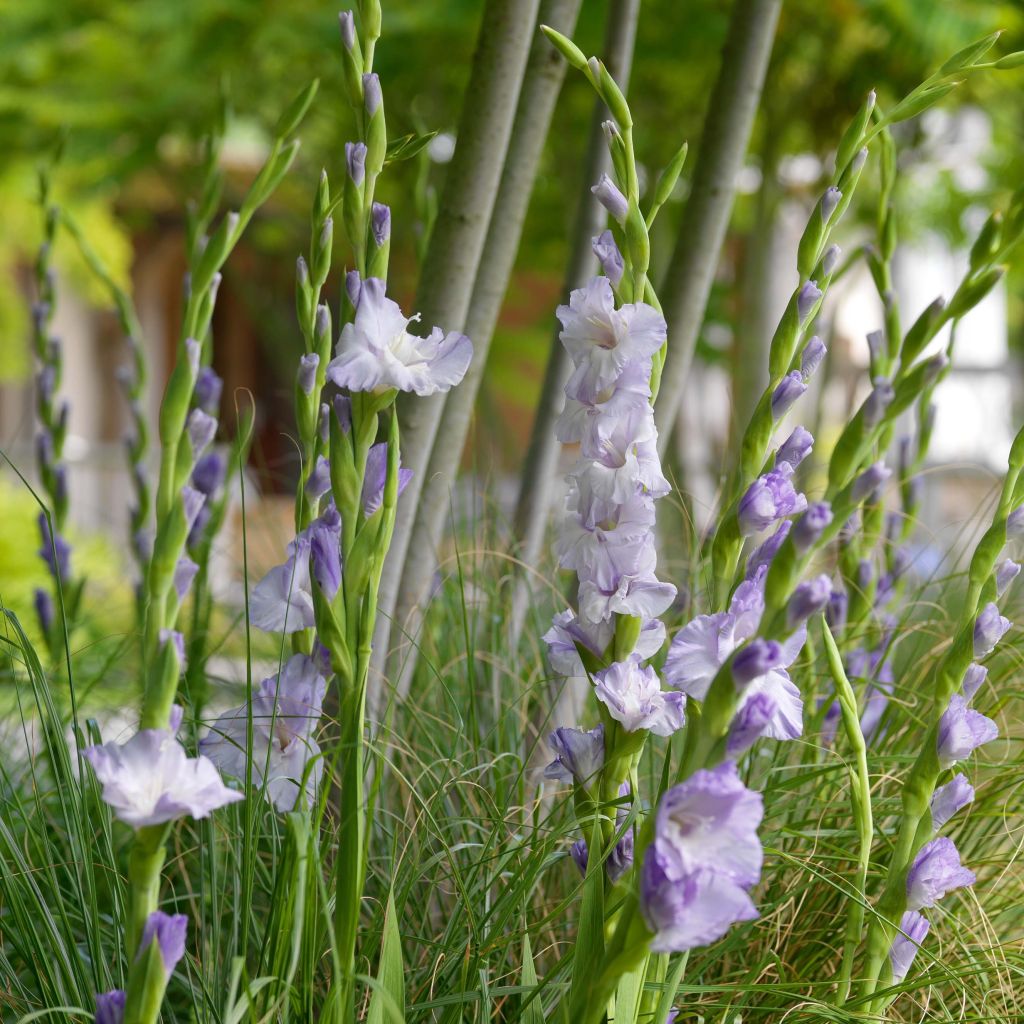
point(950, 798)
point(208, 474)
point(830, 260)
point(610, 128)
point(168, 931)
point(43, 604)
point(989, 628)
point(934, 366)
point(795, 448)
point(46, 381)
point(579, 755)
point(380, 223)
point(110, 1007)
point(807, 299)
point(961, 731)
point(788, 390)
point(343, 410)
point(974, 678)
point(609, 196)
point(608, 253)
point(1015, 523)
point(55, 550)
point(201, 430)
point(208, 390)
point(319, 482)
point(355, 162)
point(1006, 574)
point(44, 448)
point(372, 95)
point(322, 323)
point(347, 24)
point(809, 598)
point(324, 423)
point(811, 525)
point(829, 202)
point(353, 287)
point(836, 610)
point(191, 502)
point(215, 287)
point(768, 499)
point(869, 481)
point(913, 929)
point(876, 346)
point(865, 574)
point(307, 372)
point(763, 554)
point(192, 352)
point(325, 550)
point(177, 641)
point(184, 573)
point(813, 354)
point(302, 271)
point(859, 159)
point(878, 401)
point(750, 723)
point(755, 660)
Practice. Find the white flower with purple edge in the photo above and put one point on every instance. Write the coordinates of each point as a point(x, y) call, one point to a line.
point(633, 696)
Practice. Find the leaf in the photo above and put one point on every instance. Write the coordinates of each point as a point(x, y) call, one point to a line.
point(533, 1012)
point(406, 147)
point(389, 993)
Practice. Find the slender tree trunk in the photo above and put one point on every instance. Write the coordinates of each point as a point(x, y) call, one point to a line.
point(538, 479)
point(545, 72)
point(453, 254)
point(727, 124)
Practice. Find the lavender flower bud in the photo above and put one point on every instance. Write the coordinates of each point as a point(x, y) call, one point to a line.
point(810, 526)
point(201, 431)
point(343, 410)
point(324, 423)
point(208, 390)
point(46, 381)
point(192, 352)
point(989, 628)
point(168, 931)
point(865, 574)
point(322, 324)
point(755, 660)
point(876, 346)
point(319, 482)
point(870, 481)
point(44, 448)
point(110, 1007)
point(934, 366)
point(325, 550)
point(371, 94)
point(836, 610)
point(355, 162)
point(974, 678)
point(353, 287)
point(830, 260)
point(788, 390)
point(763, 554)
point(961, 731)
point(913, 929)
point(184, 573)
point(878, 401)
point(1015, 523)
point(749, 723)
point(1005, 575)
point(814, 352)
point(829, 202)
point(807, 299)
point(949, 799)
point(609, 196)
point(611, 131)
point(191, 502)
point(307, 371)
point(579, 755)
point(302, 272)
point(769, 498)
point(173, 637)
point(208, 474)
point(795, 448)
point(43, 604)
point(380, 223)
point(809, 598)
point(608, 253)
point(348, 29)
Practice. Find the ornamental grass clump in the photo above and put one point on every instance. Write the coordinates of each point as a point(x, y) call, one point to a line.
point(771, 797)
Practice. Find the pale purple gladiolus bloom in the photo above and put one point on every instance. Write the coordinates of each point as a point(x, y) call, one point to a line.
point(813, 354)
point(989, 628)
point(380, 223)
point(693, 911)
point(151, 780)
point(949, 799)
point(710, 821)
point(880, 398)
point(750, 723)
point(768, 499)
point(55, 551)
point(285, 715)
point(43, 604)
point(579, 755)
point(376, 353)
point(830, 260)
point(602, 339)
point(319, 482)
point(807, 299)
point(592, 421)
point(788, 390)
point(761, 557)
point(208, 473)
point(609, 196)
point(974, 677)
point(756, 659)
point(609, 256)
point(282, 602)
point(307, 372)
point(324, 535)
point(625, 584)
point(870, 480)
point(913, 929)
point(376, 478)
point(583, 546)
point(372, 95)
point(567, 631)
point(634, 698)
point(961, 731)
point(1006, 573)
point(809, 598)
point(208, 390)
point(795, 448)
point(809, 527)
point(110, 1007)
point(936, 871)
point(184, 573)
point(355, 161)
point(168, 932)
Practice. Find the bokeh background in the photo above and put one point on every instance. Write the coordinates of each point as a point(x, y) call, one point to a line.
point(129, 88)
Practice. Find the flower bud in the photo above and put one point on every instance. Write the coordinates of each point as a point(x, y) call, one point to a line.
point(372, 95)
point(749, 723)
point(829, 202)
point(814, 352)
point(609, 196)
point(380, 223)
point(307, 372)
point(880, 398)
point(808, 297)
point(347, 24)
point(989, 628)
point(869, 481)
point(755, 660)
point(809, 598)
point(788, 390)
point(1005, 575)
point(836, 610)
point(830, 260)
point(608, 253)
point(974, 679)
point(809, 527)
point(208, 390)
point(795, 448)
point(355, 162)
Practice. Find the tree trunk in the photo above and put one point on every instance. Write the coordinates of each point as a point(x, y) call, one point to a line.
point(727, 123)
point(453, 253)
point(545, 72)
point(538, 479)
